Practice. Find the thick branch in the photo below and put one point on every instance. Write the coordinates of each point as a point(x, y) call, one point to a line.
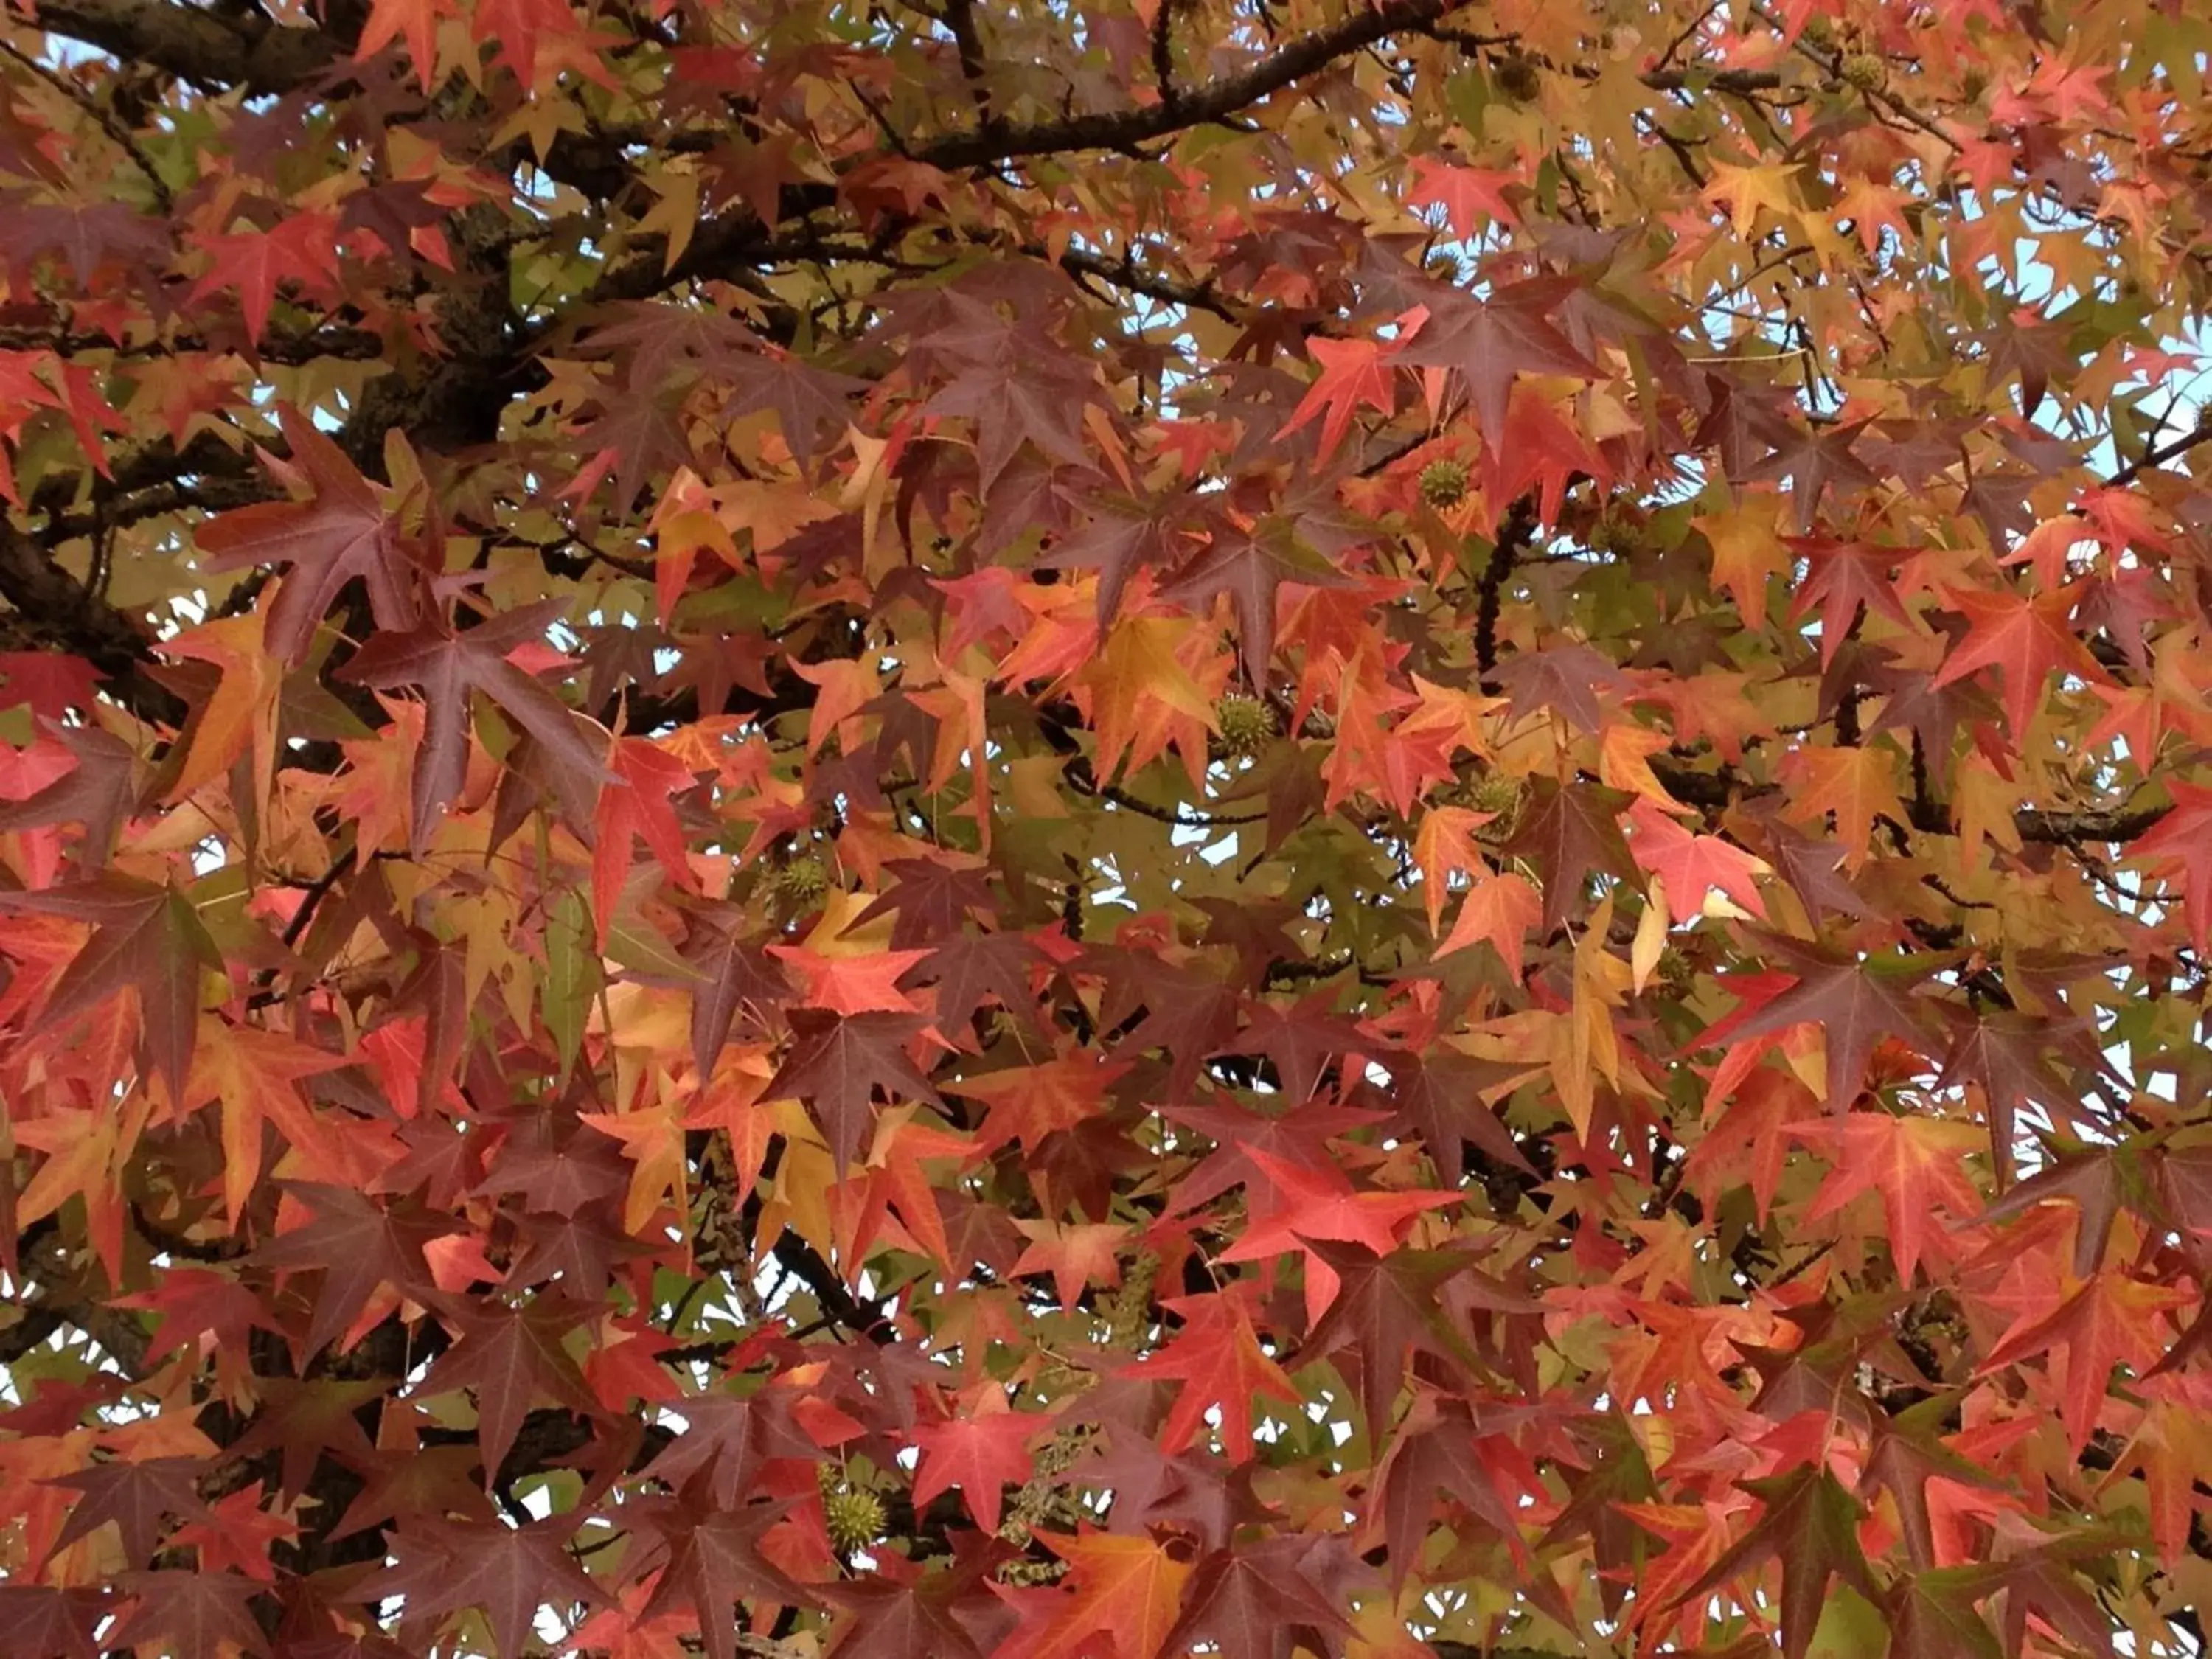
point(53, 608)
point(209, 51)
point(1216, 101)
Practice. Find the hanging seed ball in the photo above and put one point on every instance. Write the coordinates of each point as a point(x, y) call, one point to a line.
point(856, 1518)
point(1820, 31)
point(1516, 77)
point(1444, 484)
point(1443, 264)
point(1248, 726)
point(1676, 970)
point(1500, 795)
point(802, 881)
point(1865, 71)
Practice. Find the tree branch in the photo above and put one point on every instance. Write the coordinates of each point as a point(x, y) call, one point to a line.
point(1123, 129)
point(212, 53)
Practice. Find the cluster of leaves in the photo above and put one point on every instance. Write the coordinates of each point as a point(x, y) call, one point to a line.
point(1341, 828)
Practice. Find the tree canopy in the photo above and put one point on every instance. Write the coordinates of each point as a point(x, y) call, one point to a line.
point(950, 829)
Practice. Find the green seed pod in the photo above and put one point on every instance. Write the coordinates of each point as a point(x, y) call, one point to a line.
point(1865, 71)
point(1444, 484)
point(802, 882)
point(856, 1518)
point(1248, 725)
point(1516, 77)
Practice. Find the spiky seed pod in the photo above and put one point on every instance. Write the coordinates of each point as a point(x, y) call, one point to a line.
point(1516, 78)
point(1865, 71)
point(802, 882)
point(1444, 484)
point(1248, 725)
point(855, 1517)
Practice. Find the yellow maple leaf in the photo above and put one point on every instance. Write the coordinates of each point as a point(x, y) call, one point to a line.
point(242, 712)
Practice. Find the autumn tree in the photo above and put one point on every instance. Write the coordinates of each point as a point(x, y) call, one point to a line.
point(955, 830)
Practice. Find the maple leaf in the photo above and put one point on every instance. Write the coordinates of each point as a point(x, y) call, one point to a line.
point(193, 1615)
point(251, 1074)
point(1811, 1523)
point(2026, 639)
point(147, 939)
point(359, 1246)
point(735, 977)
point(837, 1064)
point(1140, 680)
point(1388, 1310)
point(447, 667)
point(1487, 341)
point(509, 1572)
point(1262, 1601)
point(1845, 579)
point(714, 1559)
point(637, 804)
point(851, 984)
point(1468, 195)
point(2006, 1054)
point(2110, 1319)
point(1353, 374)
point(1904, 1456)
point(1564, 679)
point(1691, 866)
point(1021, 399)
point(1857, 784)
point(1299, 1135)
point(51, 1624)
point(98, 792)
point(301, 247)
point(1249, 566)
point(967, 968)
point(1450, 1098)
point(239, 715)
point(1076, 1254)
point(1569, 831)
point(341, 531)
point(1120, 538)
point(1306, 1204)
point(306, 1421)
point(902, 1613)
point(508, 1359)
point(1855, 1002)
point(1217, 1359)
point(418, 20)
point(138, 1497)
point(1911, 1162)
point(982, 1452)
point(2183, 840)
point(1128, 1589)
point(51, 683)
